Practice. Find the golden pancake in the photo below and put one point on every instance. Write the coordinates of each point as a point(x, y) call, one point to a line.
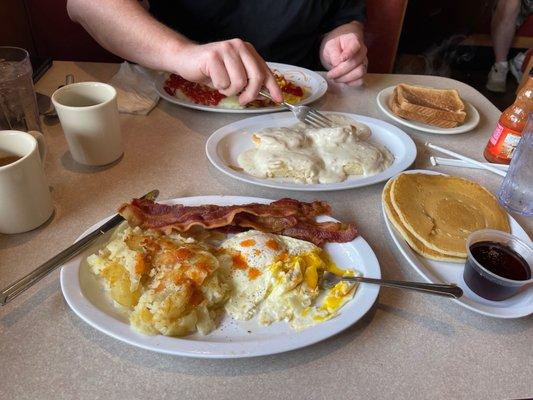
point(412, 241)
point(441, 211)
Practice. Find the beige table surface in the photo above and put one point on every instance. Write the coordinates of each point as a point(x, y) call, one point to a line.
point(408, 346)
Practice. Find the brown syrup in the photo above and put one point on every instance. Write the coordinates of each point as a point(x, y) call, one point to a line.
point(501, 260)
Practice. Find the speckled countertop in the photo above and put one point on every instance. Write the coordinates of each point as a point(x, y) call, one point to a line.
point(408, 346)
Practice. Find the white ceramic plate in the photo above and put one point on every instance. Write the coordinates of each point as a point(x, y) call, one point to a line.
point(232, 339)
point(471, 121)
point(315, 85)
point(432, 271)
point(224, 146)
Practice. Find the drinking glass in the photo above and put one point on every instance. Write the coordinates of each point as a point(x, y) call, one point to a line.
point(516, 192)
point(18, 106)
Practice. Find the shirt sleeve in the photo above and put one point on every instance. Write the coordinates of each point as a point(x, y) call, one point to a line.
point(342, 12)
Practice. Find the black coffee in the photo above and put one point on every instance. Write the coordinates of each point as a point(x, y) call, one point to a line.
point(6, 160)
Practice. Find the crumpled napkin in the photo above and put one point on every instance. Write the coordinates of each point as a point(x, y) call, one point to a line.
point(136, 93)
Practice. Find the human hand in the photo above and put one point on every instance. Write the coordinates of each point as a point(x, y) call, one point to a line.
point(231, 67)
point(345, 57)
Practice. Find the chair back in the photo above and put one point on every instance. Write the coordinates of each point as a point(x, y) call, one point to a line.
point(384, 21)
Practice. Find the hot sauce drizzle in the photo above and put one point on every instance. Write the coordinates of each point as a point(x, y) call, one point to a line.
point(203, 94)
point(239, 261)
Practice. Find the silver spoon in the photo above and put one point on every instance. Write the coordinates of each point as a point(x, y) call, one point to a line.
point(453, 291)
point(44, 103)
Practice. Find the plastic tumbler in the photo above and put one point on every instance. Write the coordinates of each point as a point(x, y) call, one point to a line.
point(18, 106)
point(516, 192)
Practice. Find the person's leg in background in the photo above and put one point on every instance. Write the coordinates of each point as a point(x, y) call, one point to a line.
point(503, 28)
point(515, 64)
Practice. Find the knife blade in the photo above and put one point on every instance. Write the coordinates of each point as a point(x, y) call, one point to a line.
point(13, 290)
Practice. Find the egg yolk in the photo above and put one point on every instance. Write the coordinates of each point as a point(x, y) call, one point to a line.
point(336, 297)
point(311, 265)
point(311, 276)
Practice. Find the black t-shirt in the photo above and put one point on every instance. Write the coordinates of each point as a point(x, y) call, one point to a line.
point(287, 31)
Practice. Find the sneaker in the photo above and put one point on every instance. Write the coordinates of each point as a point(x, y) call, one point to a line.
point(498, 77)
point(515, 65)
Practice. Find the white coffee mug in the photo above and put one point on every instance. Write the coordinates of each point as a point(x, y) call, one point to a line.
point(25, 201)
point(88, 113)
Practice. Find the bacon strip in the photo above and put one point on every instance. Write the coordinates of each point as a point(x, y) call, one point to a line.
point(322, 232)
point(286, 216)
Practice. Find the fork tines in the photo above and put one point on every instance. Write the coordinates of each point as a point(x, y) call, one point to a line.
point(313, 117)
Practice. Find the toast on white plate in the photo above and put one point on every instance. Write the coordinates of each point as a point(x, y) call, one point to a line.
point(438, 107)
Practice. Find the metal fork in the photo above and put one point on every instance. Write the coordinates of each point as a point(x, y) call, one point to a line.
point(307, 115)
point(445, 290)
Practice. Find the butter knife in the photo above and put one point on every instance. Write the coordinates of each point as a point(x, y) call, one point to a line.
point(16, 288)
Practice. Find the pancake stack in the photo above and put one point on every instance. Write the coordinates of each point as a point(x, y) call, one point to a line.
point(436, 213)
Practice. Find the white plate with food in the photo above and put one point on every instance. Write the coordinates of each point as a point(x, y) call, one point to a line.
point(470, 122)
point(299, 86)
point(278, 152)
point(84, 280)
point(439, 270)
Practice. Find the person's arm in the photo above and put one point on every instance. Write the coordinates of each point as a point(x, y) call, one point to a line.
point(125, 28)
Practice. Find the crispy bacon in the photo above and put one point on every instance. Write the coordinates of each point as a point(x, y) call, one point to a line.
point(322, 232)
point(286, 216)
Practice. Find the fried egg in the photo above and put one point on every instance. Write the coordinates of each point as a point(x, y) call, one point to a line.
point(251, 253)
point(277, 278)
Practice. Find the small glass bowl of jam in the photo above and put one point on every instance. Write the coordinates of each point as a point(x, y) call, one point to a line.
point(498, 264)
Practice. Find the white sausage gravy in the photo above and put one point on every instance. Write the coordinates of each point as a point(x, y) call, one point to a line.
point(304, 154)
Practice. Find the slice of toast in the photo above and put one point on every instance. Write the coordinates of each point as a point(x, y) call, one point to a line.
point(415, 116)
point(434, 103)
